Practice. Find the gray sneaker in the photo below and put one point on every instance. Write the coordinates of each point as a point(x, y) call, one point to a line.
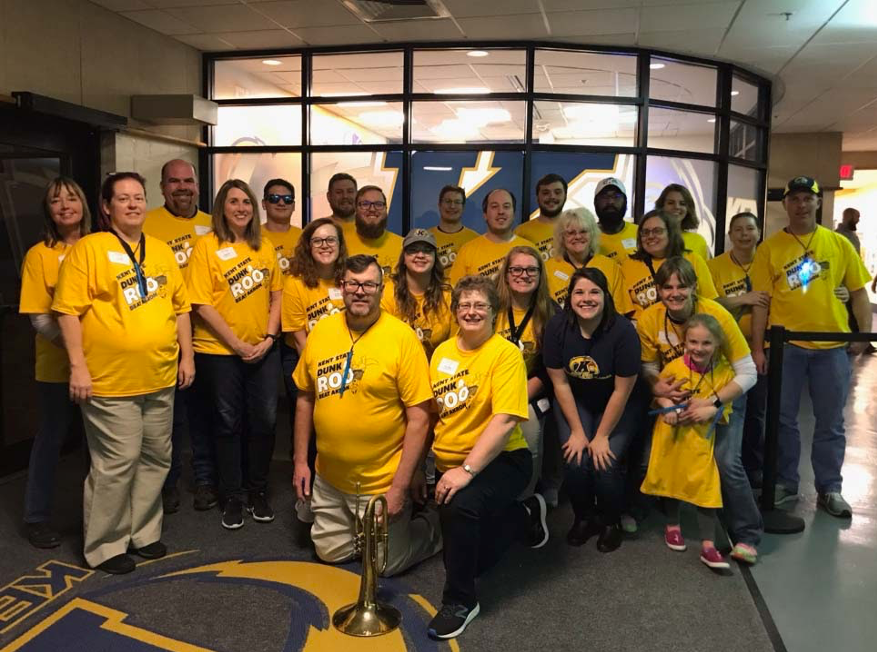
point(784, 495)
point(834, 504)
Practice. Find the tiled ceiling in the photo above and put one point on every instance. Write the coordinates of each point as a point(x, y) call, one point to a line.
point(822, 54)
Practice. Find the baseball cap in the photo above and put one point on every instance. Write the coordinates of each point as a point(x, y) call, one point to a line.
point(419, 235)
point(802, 183)
point(610, 181)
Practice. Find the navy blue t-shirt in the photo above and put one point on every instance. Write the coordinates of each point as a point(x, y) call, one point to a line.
point(592, 364)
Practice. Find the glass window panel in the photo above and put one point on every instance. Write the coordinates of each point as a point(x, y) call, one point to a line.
point(457, 71)
point(263, 77)
point(743, 189)
point(744, 97)
point(357, 123)
point(582, 172)
point(745, 141)
point(696, 175)
point(257, 126)
point(469, 122)
point(585, 73)
point(577, 123)
point(257, 170)
point(682, 130)
point(362, 73)
point(675, 81)
point(382, 169)
point(477, 172)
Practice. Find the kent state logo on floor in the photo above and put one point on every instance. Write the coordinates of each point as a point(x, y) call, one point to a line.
point(60, 606)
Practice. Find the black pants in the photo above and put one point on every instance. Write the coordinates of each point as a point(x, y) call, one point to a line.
point(245, 413)
point(481, 522)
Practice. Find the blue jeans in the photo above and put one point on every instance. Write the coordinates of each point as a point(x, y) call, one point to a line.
point(58, 415)
point(755, 402)
point(192, 415)
point(742, 517)
point(829, 374)
point(595, 493)
point(288, 361)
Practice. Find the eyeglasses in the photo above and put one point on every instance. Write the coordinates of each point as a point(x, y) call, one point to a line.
point(574, 234)
point(520, 271)
point(477, 307)
point(275, 199)
point(453, 202)
point(369, 287)
point(658, 230)
point(377, 205)
point(329, 241)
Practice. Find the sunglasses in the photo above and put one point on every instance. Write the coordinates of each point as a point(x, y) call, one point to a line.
point(275, 199)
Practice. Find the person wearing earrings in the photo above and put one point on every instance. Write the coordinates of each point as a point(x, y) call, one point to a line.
point(676, 201)
point(235, 286)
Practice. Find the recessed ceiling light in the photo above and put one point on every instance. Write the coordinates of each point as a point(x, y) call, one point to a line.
point(735, 93)
point(435, 168)
point(711, 120)
point(656, 66)
point(477, 53)
point(272, 62)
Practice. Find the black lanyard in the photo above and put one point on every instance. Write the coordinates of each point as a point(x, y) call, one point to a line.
point(515, 333)
point(673, 347)
point(138, 265)
point(350, 357)
point(746, 280)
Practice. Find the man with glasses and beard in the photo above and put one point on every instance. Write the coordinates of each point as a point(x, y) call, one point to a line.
point(617, 237)
point(551, 196)
point(179, 223)
point(342, 198)
point(364, 389)
point(368, 234)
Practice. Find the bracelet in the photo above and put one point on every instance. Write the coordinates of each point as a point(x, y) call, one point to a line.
point(273, 337)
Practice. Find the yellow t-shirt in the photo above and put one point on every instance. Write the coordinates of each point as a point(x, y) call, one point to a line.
point(303, 307)
point(284, 246)
point(236, 280)
point(661, 339)
point(469, 388)
point(697, 243)
point(39, 276)
point(360, 433)
point(530, 347)
point(681, 463)
point(449, 245)
point(385, 249)
point(130, 343)
point(730, 281)
point(640, 286)
point(431, 329)
point(809, 306)
point(539, 233)
point(618, 245)
point(559, 272)
point(180, 233)
point(483, 256)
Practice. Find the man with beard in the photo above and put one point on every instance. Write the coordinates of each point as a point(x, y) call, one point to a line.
point(368, 233)
point(179, 223)
point(551, 196)
point(450, 234)
point(342, 198)
point(364, 390)
point(484, 255)
point(847, 228)
point(617, 237)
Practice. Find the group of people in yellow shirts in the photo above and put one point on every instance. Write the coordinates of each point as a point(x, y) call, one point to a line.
point(609, 357)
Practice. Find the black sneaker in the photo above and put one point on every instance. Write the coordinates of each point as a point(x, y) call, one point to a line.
point(259, 508)
point(233, 514)
point(451, 620)
point(118, 565)
point(205, 497)
point(581, 531)
point(170, 500)
point(155, 550)
point(41, 535)
point(537, 533)
point(610, 538)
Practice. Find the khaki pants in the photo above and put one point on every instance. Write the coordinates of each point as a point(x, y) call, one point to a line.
point(129, 440)
point(411, 539)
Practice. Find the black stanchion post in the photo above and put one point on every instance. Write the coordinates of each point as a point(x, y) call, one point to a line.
point(776, 521)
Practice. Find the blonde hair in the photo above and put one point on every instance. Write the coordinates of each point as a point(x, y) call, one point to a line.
point(581, 218)
point(712, 325)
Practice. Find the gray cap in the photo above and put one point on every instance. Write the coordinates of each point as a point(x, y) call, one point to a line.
point(419, 235)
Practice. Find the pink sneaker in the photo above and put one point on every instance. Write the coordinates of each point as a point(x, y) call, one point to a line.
point(673, 538)
point(713, 558)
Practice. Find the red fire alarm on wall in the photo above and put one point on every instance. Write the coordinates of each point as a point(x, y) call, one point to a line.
point(847, 172)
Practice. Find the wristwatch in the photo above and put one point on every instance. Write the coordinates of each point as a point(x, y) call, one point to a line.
point(717, 403)
point(468, 469)
point(273, 337)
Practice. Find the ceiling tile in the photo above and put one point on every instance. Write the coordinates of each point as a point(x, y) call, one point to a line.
point(205, 42)
point(855, 22)
point(305, 13)
point(688, 17)
point(164, 4)
point(529, 26)
point(160, 21)
point(422, 30)
point(581, 5)
point(702, 41)
point(341, 35)
point(261, 39)
point(217, 19)
point(578, 23)
point(762, 23)
point(625, 39)
point(468, 8)
point(123, 5)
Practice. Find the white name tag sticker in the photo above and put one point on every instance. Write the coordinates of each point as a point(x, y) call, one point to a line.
point(561, 275)
point(202, 230)
point(543, 404)
point(629, 243)
point(226, 253)
point(335, 294)
point(448, 366)
point(118, 257)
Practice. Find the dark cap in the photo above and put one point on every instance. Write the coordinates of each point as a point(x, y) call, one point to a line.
point(802, 183)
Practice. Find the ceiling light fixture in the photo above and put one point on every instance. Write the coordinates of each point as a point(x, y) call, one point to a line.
point(455, 130)
point(467, 90)
point(477, 53)
point(733, 93)
point(711, 120)
point(656, 66)
point(272, 62)
point(482, 117)
point(434, 168)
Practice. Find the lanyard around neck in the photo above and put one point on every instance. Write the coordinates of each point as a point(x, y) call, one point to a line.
point(515, 333)
point(138, 264)
point(350, 356)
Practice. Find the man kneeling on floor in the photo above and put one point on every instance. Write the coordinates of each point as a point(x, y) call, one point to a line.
point(363, 383)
